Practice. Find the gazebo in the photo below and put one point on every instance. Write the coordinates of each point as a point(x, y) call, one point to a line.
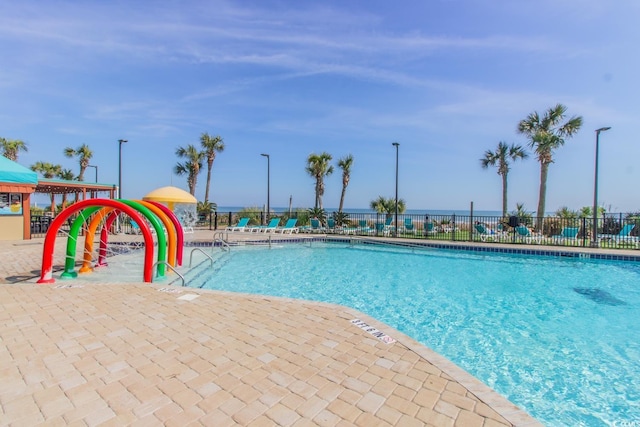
point(17, 183)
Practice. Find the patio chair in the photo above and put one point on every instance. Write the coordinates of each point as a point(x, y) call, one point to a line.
point(568, 233)
point(240, 226)
point(524, 234)
point(624, 236)
point(289, 227)
point(488, 234)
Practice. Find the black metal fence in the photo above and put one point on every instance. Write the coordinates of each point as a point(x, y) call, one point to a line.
point(611, 231)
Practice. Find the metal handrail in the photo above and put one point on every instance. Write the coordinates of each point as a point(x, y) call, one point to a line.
point(170, 268)
point(200, 250)
point(223, 242)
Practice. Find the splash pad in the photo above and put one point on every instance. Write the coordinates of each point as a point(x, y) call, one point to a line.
point(92, 213)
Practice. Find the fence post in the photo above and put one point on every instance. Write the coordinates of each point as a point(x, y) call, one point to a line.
point(471, 223)
point(453, 227)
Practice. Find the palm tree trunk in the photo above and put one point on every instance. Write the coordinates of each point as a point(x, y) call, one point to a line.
point(344, 190)
point(318, 203)
point(504, 195)
point(206, 191)
point(544, 170)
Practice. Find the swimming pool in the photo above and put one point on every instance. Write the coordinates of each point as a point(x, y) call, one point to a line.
point(558, 337)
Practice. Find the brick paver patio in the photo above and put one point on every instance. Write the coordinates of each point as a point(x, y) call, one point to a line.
point(78, 353)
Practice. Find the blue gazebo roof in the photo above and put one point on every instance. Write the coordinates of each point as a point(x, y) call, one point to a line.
point(14, 173)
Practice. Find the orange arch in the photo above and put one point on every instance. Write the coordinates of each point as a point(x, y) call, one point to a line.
point(88, 240)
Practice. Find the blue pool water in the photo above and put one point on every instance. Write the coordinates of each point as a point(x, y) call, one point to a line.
point(558, 337)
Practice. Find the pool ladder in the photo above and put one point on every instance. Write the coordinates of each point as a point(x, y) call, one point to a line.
point(170, 268)
point(219, 237)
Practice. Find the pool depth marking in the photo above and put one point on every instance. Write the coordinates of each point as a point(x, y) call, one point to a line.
point(373, 331)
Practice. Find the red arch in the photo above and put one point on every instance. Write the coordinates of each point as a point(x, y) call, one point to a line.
point(46, 275)
point(179, 232)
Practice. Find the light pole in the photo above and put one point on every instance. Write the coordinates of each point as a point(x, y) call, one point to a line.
point(96, 167)
point(396, 144)
point(268, 186)
point(594, 233)
point(120, 141)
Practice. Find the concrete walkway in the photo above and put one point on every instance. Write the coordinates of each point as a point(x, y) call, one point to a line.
point(145, 354)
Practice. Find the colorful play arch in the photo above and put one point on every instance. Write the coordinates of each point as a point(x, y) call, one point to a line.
point(93, 213)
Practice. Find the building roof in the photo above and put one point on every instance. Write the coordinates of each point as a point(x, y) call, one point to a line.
point(14, 173)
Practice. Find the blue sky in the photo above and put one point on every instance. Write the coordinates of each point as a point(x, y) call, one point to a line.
point(447, 79)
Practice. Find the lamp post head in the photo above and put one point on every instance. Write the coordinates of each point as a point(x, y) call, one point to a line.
point(122, 140)
point(395, 144)
point(603, 129)
point(266, 155)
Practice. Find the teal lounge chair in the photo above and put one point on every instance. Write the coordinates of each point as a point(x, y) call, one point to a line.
point(240, 226)
point(624, 236)
point(382, 229)
point(273, 224)
point(487, 234)
point(429, 228)
point(363, 227)
point(568, 233)
point(524, 234)
point(331, 225)
point(408, 226)
point(289, 227)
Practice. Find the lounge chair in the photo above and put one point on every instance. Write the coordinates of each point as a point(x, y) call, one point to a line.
point(430, 228)
point(524, 234)
point(135, 228)
point(331, 225)
point(488, 234)
point(382, 229)
point(289, 227)
point(273, 224)
point(316, 226)
point(567, 233)
point(408, 228)
point(240, 226)
point(363, 227)
point(624, 236)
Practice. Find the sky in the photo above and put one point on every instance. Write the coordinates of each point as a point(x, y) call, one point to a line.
point(446, 79)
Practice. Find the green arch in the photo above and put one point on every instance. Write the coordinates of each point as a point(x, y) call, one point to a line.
point(83, 216)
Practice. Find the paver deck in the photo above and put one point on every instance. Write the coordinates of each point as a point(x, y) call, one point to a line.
point(147, 354)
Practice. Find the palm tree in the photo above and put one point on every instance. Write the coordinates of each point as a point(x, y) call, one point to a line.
point(84, 154)
point(387, 206)
point(11, 148)
point(345, 164)
point(501, 158)
point(47, 170)
point(191, 167)
point(211, 146)
point(545, 134)
point(318, 167)
point(66, 174)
